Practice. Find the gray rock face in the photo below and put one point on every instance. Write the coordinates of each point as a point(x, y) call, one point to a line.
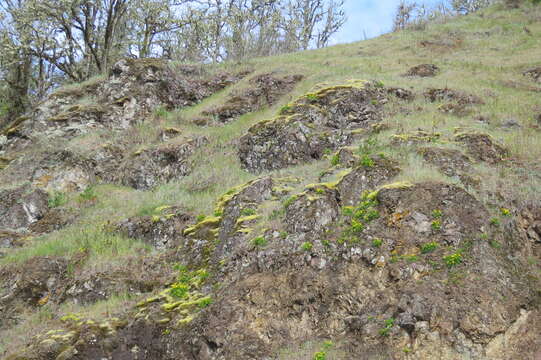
point(313, 212)
point(450, 162)
point(148, 168)
point(317, 122)
point(366, 178)
point(264, 90)
point(249, 197)
point(133, 90)
point(21, 207)
point(162, 231)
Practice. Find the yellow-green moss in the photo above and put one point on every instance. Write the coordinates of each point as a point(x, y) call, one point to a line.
point(4, 162)
point(210, 224)
point(397, 185)
point(76, 110)
point(248, 218)
point(14, 125)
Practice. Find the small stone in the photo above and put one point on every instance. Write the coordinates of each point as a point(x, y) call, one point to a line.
point(511, 124)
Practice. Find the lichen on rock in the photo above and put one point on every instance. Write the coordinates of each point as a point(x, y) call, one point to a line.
point(314, 123)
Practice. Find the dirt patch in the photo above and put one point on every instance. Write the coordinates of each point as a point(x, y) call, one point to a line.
point(423, 70)
point(443, 43)
point(520, 85)
point(264, 90)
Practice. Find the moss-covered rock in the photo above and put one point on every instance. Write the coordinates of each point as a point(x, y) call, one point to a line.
point(366, 177)
point(423, 70)
point(149, 167)
point(482, 147)
point(313, 124)
point(264, 90)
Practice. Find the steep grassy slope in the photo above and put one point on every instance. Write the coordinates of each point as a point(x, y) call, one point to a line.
point(483, 54)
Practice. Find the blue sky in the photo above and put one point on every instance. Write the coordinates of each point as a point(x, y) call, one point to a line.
point(373, 17)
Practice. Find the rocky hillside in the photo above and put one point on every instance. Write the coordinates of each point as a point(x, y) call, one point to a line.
point(377, 200)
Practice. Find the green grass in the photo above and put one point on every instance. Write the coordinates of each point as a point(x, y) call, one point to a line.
point(101, 245)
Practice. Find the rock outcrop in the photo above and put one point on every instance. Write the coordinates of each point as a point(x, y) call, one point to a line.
point(423, 70)
point(264, 90)
point(316, 122)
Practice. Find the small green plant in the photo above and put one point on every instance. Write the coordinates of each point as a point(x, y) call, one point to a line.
point(283, 234)
point(259, 241)
point(367, 161)
point(495, 221)
point(505, 212)
point(187, 281)
point(57, 199)
point(356, 226)
point(369, 147)
point(436, 225)
point(248, 212)
point(374, 101)
point(312, 97)
point(377, 242)
point(200, 218)
point(429, 247)
point(320, 355)
point(89, 194)
point(411, 258)
point(388, 325)
point(290, 200)
point(437, 214)
point(320, 191)
point(495, 244)
point(327, 344)
point(335, 160)
point(203, 303)
point(286, 108)
point(326, 243)
point(361, 214)
point(348, 210)
point(307, 246)
point(453, 259)
point(483, 236)
point(179, 290)
point(161, 112)
point(218, 213)
point(370, 215)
